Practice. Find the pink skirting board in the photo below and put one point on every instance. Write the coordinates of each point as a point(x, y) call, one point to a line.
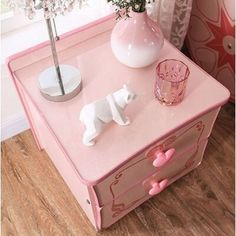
point(211, 39)
point(117, 174)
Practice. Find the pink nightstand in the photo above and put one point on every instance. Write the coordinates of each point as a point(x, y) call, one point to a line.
point(161, 144)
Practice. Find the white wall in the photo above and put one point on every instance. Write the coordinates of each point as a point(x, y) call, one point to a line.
point(13, 119)
point(10, 102)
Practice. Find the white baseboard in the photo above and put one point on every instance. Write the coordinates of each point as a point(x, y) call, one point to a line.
point(13, 126)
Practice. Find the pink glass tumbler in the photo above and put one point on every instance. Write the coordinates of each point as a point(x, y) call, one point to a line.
point(171, 81)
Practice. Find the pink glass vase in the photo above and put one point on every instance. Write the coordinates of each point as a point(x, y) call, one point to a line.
point(137, 41)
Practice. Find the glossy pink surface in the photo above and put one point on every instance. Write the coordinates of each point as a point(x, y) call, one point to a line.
point(102, 74)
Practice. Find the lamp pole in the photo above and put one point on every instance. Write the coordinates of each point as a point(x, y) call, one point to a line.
point(54, 55)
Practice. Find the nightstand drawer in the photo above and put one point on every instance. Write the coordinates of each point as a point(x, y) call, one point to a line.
point(142, 164)
point(140, 192)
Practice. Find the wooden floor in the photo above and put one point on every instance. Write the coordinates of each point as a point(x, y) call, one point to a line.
point(36, 201)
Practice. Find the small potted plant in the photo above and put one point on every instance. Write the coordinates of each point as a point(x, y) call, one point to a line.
point(136, 40)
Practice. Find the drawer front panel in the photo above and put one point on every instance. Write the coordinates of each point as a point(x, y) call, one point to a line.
point(140, 192)
point(142, 164)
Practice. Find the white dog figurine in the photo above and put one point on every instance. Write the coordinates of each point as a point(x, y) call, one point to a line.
point(95, 114)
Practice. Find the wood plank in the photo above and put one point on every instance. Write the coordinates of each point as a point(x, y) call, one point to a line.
point(36, 201)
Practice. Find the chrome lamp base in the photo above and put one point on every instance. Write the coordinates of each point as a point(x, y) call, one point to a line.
point(50, 88)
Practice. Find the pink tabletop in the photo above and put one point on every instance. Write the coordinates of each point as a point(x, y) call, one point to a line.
point(102, 74)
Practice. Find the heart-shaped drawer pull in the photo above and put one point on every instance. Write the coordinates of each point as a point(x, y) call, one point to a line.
point(163, 157)
point(157, 187)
